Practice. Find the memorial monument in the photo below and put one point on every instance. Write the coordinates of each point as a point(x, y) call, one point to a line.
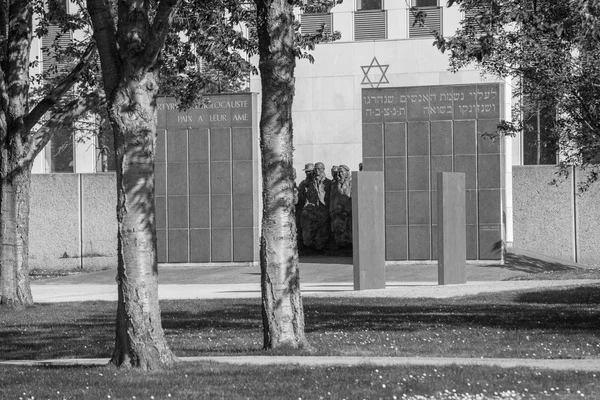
point(411, 134)
point(206, 172)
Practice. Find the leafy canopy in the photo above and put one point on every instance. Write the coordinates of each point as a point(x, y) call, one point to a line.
point(550, 49)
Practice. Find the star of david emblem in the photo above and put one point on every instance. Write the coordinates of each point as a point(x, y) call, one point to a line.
point(371, 78)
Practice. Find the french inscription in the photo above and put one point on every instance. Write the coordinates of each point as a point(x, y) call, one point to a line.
point(217, 111)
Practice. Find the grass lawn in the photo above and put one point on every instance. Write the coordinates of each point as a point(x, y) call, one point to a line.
point(543, 323)
point(218, 381)
point(548, 323)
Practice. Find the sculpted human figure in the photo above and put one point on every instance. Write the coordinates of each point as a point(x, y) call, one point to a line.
point(334, 174)
point(340, 208)
point(315, 214)
point(302, 189)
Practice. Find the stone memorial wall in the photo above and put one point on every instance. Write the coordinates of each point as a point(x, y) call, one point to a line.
point(207, 181)
point(411, 134)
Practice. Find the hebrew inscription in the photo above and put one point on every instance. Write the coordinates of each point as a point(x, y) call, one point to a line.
point(431, 103)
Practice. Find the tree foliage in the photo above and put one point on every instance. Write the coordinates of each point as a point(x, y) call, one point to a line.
point(550, 50)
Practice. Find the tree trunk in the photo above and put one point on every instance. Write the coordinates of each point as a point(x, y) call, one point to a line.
point(283, 315)
point(14, 221)
point(140, 340)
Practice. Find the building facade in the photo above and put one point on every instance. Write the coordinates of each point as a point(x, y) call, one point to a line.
point(380, 49)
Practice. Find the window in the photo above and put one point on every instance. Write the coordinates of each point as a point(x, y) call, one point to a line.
point(311, 23)
point(539, 143)
point(61, 151)
point(431, 22)
point(365, 5)
point(425, 3)
point(370, 25)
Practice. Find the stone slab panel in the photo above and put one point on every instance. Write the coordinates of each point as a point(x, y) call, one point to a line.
point(160, 179)
point(418, 139)
point(490, 206)
point(488, 140)
point(198, 145)
point(451, 246)
point(221, 210)
point(396, 242)
point(465, 137)
point(467, 164)
point(161, 245)
point(472, 242)
point(99, 219)
point(368, 230)
point(243, 211)
point(441, 138)
point(221, 245)
point(418, 207)
point(199, 212)
point(200, 244)
point(178, 212)
point(372, 140)
point(588, 228)
point(243, 244)
point(395, 139)
point(177, 179)
point(54, 235)
point(490, 242)
point(542, 213)
point(178, 246)
point(395, 173)
point(161, 150)
point(220, 177)
point(395, 208)
point(220, 144)
point(418, 173)
point(439, 164)
point(242, 143)
point(160, 206)
point(199, 178)
point(373, 164)
point(472, 208)
point(489, 172)
point(242, 178)
point(177, 146)
point(419, 242)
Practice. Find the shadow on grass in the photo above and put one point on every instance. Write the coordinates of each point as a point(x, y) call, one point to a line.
point(234, 326)
point(581, 295)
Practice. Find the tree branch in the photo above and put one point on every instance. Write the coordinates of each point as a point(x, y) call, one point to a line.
point(106, 41)
point(52, 98)
point(56, 121)
point(160, 28)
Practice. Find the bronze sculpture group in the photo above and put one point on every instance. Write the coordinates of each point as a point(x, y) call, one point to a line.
point(324, 208)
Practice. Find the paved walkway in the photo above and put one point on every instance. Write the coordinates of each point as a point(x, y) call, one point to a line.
point(557, 365)
point(59, 292)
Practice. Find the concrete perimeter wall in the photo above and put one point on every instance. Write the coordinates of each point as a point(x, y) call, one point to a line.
point(72, 222)
point(556, 219)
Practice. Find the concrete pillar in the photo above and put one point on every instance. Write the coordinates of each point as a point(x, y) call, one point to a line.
point(451, 219)
point(368, 230)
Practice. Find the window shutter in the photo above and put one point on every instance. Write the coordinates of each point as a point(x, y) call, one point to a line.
point(311, 23)
point(433, 22)
point(370, 25)
point(64, 40)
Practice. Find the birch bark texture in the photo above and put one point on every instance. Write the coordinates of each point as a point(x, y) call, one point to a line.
point(24, 132)
point(282, 310)
point(128, 58)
